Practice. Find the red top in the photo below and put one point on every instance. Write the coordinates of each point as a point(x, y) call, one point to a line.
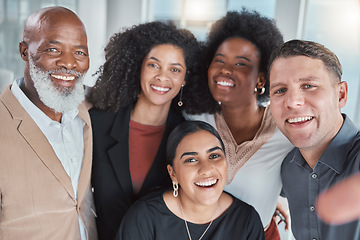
point(144, 142)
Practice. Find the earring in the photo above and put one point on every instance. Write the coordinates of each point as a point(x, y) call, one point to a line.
point(262, 91)
point(180, 103)
point(175, 187)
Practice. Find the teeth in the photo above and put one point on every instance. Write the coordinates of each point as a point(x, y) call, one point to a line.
point(206, 183)
point(225, 84)
point(299, 119)
point(161, 89)
point(65, 78)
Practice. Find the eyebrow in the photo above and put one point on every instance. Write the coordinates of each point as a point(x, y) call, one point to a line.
point(304, 79)
point(175, 64)
point(237, 57)
point(195, 153)
point(76, 46)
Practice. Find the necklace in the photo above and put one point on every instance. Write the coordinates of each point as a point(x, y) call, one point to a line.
point(187, 228)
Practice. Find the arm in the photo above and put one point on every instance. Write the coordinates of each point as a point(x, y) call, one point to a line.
point(340, 204)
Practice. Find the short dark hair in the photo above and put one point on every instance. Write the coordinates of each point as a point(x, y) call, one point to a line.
point(309, 49)
point(184, 129)
point(118, 84)
point(250, 25)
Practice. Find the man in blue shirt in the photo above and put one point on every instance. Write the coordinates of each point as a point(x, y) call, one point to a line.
point(306, 95)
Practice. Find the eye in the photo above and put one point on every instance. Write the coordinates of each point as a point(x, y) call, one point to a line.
point(280, 91)
point(306, 86)
point(219, 61)
point(153, 65)
point(240, 64)
point(175, 70)
point(51, 50)
point(214, 156)
point(190, 160)
point(81, 53)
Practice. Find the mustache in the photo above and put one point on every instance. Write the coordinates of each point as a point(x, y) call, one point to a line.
point(66, 71)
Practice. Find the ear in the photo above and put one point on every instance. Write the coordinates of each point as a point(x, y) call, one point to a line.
point(260, 82)
point(343, 92)
point(23, 49)
point(172, 173)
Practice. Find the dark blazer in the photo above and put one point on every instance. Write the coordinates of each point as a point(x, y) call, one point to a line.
point(111, 179)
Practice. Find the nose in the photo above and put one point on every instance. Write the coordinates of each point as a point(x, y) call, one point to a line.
point(227, 69)
point(294, 98)
point(205, 168)
point(67, 60)
point(162, 76)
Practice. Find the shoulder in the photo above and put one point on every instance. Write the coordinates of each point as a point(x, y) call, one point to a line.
point(101, 119)
point(239, 206)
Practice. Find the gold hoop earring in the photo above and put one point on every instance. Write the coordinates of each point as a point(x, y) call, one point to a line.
point(262, 91)
point(176, 189)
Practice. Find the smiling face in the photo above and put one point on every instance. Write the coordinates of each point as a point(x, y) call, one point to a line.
point(162, 75)
point(55, 51)
point(234, 72)
point(200, 168)
point(305, 101)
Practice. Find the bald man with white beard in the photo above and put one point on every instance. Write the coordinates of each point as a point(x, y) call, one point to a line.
point(45, 135)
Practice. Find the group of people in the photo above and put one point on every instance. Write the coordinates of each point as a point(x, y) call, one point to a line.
point(178, 139)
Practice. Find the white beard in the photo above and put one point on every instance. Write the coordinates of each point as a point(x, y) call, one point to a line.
point(60, 99)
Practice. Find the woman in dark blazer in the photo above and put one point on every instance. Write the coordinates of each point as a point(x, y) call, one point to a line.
point(137, 102)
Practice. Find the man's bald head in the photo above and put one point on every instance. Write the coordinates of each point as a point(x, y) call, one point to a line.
point(45, 17)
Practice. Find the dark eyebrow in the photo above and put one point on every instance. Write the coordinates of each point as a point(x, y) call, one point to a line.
point(237, 57)
point(188, 153)
point(175, 64)
point(208, 151)
point(214, 149)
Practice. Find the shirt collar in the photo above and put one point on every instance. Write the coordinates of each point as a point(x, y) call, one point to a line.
point(36, 114)
point(335, 154)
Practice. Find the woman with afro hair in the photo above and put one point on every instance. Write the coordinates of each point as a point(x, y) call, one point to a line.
point(143, 85)
point(234, 99)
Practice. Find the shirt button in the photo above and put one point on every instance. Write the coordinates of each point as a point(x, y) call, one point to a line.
point(312, 208)
point(314, 175)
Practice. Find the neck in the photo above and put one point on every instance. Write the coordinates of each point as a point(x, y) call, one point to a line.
point(150, 114)
point(199, 214)
point(251, 118)
point(313, 154)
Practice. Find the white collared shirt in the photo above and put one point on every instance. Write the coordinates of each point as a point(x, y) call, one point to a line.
point(66, 138)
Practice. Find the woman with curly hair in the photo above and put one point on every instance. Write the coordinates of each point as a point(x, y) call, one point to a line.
point(237, 52)
point(137, 102)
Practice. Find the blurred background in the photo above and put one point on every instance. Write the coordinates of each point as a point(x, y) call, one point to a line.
point(333, 23)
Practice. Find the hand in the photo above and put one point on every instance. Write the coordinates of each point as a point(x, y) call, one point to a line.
point(281, 215)
point(340, 203)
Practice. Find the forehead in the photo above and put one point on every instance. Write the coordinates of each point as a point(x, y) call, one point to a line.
point(237, 45)
point(296, 69)
point(55, 27)
point(168, 50)
point(198, 141)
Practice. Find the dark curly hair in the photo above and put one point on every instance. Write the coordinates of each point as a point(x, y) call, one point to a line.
point(250, 25)
point(118, 84)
